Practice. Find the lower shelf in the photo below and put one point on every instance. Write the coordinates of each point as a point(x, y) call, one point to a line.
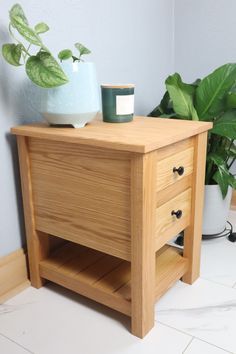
point(104, 278)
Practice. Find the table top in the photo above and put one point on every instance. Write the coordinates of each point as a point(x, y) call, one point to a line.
point(142, 135)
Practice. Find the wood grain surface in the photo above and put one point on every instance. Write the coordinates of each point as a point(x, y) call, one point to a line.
point(141, 135)
point(82, 194)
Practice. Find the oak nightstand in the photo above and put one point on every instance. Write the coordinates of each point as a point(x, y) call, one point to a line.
point(114, 195)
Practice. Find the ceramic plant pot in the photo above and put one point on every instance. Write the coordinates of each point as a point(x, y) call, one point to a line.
point(216, 210)
point(76, 102)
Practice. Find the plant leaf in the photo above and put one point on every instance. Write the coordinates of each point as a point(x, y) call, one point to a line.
point(196, 83)
point(166, 103)
point(226, 125)
point(17, 10)
point(181, 95)
point(211, 92)
point(12, 53)
point(222, 175)
point(227, 148)
point(45, 71)
point(232, 151)
point(232, 181)
point(231, 100)
point(218, 161)
point(41, 28)
point(28, 33)
point(82, 49)
point(156, 112)
point(165, 107)
point(170, 115)
point(65, 54)
point(222, 180)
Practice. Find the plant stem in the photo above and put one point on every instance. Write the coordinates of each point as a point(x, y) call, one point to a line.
point(75, 58)
point(231, 163)
point(26, 51)
point(25, 54)
point(18, 41)
point(45, 48)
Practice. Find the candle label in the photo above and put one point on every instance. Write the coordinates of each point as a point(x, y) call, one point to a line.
point(124, 104)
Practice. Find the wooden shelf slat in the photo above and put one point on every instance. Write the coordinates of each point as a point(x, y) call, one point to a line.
point(99, 269)
point(106, 279)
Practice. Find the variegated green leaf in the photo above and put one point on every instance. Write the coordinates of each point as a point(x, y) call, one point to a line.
point(82, 49)
point(12, 53)
point(28, 33)
point(65, 54)
point(17, 10)
point(45, 71)
point(41, 28)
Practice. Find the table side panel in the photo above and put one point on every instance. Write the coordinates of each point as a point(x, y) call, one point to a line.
point(82, 194)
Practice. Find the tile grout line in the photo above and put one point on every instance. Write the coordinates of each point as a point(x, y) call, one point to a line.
point(188, 345)
point(234, 286)
point(19, 345)
point(194, 337)
point(215, 282)
point(176, 329)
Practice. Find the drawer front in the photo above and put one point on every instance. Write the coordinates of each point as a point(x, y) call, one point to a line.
point(169, 224)
point(174, 168)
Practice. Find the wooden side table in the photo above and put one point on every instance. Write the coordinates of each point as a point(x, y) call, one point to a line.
point(114, 195)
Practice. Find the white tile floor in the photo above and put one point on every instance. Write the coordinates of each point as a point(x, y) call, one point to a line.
point(197, 319)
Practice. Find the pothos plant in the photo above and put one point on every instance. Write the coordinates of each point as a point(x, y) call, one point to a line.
point(211, 99)
point(41, 67)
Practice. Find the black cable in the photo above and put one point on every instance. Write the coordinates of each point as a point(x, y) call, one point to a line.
point(228, 232)
point(225, 233)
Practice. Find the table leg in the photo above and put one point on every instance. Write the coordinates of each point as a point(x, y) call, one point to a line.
point(143, 172)
point(37, 242)
point(193, 234)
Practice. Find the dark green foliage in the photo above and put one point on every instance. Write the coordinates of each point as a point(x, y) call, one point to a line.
point(211, 99)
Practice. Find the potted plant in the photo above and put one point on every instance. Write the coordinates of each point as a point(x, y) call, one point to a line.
point(210, 99)
point(69, 93)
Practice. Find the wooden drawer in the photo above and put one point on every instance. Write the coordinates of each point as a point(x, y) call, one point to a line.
point(180, 157)
point(168, 225)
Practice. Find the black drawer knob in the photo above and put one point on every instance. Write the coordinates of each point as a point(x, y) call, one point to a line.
point(179, 170)
point(177, 213)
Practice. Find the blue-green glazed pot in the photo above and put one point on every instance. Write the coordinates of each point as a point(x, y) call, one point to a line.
point(117, 103)
point(75, 103)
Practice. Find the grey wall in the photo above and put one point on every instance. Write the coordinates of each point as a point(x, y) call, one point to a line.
point(204, 37)
point(131, 40)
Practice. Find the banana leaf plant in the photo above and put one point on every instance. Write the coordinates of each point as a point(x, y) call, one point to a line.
point(211, 99)
point(41, 67)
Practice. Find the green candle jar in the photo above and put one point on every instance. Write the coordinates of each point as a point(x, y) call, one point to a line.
point(117, 103)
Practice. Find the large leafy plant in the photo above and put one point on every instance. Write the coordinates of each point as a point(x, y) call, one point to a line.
point(41, 67)
point(210, 99)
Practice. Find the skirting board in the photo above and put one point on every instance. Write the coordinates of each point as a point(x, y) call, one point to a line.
point(13, 274)
point(233, 201)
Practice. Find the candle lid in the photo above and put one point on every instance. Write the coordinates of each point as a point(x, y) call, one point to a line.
point(117, 86)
